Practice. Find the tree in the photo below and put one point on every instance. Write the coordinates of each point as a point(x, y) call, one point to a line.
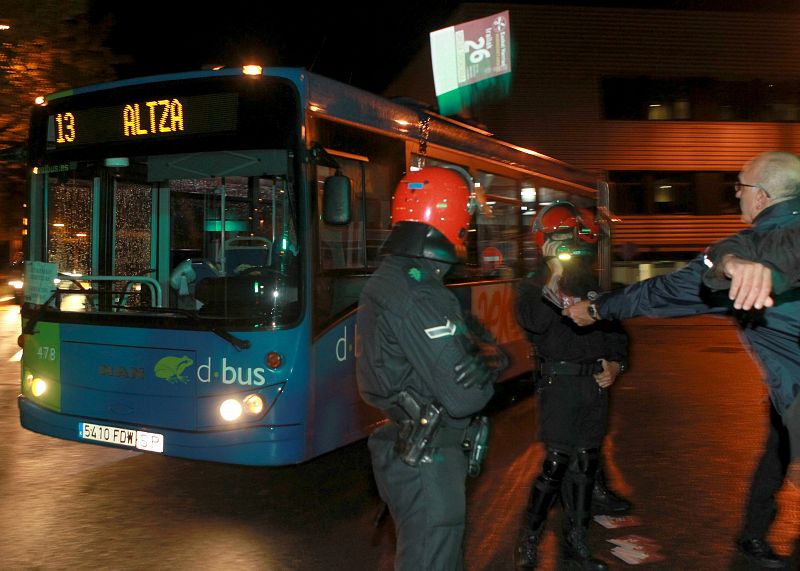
point(50, 45)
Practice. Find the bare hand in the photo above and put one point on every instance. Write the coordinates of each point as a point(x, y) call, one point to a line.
point(579, 313)
point(751, 283)
point(608, 375)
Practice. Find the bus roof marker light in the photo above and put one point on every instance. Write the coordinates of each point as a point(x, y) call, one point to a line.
point(40, 100)
point(251, 69)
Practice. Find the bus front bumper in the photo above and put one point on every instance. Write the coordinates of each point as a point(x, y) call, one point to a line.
point(247, 445)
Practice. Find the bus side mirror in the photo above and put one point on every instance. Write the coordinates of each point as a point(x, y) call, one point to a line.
point(336, 200)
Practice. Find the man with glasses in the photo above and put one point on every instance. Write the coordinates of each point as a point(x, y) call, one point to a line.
point(769, 196)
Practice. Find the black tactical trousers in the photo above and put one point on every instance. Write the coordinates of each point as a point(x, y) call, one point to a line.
point(767, 480)
point(427, 503)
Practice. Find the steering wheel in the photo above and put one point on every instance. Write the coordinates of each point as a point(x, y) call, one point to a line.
point(261, 271)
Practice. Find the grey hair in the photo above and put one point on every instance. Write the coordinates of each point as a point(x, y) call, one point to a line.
point(778, 174)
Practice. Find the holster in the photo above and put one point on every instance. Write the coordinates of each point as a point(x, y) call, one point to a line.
point(476, 444)
point(417, 431)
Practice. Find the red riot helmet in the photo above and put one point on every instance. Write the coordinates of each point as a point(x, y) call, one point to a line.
point(431, 212)
point(566, 229)
point(558, 219)
point(588, 228)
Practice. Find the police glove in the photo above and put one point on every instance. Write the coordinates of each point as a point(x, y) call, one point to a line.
point(497, 360)
point(473, 372)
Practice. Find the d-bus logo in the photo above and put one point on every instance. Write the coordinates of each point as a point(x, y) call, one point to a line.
point(171, 369)
point(231, 375)
point(344, 347)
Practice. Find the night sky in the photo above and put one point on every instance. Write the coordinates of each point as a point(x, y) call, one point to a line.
point(349, 41)
point(353, 45)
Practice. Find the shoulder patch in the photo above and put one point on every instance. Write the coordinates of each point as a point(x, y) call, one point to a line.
point(446, 330)
point(415, 274)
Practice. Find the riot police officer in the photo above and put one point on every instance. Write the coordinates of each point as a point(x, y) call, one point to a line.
point(575, 367)
point(420, 365)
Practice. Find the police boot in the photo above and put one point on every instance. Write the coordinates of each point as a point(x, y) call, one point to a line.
point(576, 551)
point(604, 501)
point(577, 501)
point(543, 494)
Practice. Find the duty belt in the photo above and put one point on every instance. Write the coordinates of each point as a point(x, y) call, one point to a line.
point(448, 436)
point(445, 436)
point(547, 367)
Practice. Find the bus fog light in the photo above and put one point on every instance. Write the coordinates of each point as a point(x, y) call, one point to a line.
point(254, 405)
point(38, 387)
point(230, 409)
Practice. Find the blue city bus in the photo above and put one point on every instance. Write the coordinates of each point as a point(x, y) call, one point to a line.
point(197, 243)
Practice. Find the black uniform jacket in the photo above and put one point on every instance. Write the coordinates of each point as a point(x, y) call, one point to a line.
point(412, 335)
point(557, 338)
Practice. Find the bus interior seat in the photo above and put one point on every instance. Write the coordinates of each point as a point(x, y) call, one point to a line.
point(244, 252)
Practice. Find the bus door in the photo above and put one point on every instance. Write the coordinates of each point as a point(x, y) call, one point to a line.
point(345, 257)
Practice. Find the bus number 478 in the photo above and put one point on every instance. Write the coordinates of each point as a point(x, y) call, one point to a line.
point(46, 353)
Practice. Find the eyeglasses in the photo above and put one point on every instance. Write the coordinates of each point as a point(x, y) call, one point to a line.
point(739, 186)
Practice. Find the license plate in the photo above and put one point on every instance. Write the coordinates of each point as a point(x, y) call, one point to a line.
point(149, 441)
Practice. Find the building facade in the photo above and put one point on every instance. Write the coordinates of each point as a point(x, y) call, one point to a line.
point(666, 104)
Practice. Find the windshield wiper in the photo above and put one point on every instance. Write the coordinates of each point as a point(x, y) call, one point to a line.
point(237, 342)
point(37, 312)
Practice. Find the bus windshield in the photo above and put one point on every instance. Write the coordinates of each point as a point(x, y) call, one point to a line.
point(168, 231)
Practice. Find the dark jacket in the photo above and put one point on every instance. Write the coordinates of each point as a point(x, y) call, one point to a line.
point(557, 338)
point(412, 335)
point(773, 333)
point(779, 249)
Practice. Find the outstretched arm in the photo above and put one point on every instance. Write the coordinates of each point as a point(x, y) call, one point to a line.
point(755, 264)
point(670, 295)
point(751, 282)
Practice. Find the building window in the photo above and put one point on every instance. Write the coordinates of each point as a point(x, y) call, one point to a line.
point(700, 99)
point(652, 193)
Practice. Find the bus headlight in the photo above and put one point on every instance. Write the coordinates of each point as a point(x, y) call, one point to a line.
point(38, 387)
point(253, 405)
point(230, 409)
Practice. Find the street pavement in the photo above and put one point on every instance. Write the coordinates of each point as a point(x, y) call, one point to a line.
point(687, 424)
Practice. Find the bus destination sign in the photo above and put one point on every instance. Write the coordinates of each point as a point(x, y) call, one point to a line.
point(145, 119)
